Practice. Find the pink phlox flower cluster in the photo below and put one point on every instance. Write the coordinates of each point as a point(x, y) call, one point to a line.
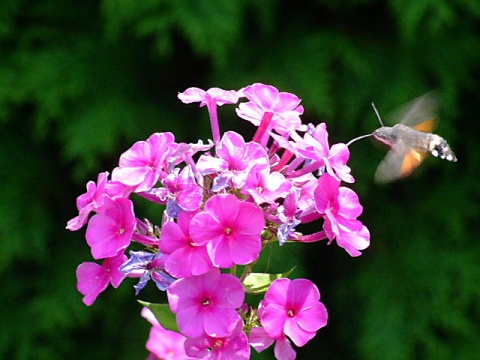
point(224, 202)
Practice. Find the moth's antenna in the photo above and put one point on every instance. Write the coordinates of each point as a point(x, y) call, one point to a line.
point(358, 138)
point(378, 115)
point(367, 135)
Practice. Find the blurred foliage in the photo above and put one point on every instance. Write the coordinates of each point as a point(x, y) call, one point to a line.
point(81, 81)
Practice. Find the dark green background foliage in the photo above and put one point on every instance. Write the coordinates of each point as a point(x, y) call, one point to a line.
point(81, 81)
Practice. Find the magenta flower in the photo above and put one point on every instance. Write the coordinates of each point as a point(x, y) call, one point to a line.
point(279, 110)
point(235, 158)
point(232, 347)
point(307, 185)
point(110, 230)
point(87, 202)
point(162, 343)
point(92, 278)
point(221, 203)
point(230, 229)
point(143, 164)
point(340, 208)
point(183, 189)
point(212, 97)
point(185, 257)
point(265, 186)
point(93, 199)
point(353, 241)
point(206, 304)
point(181, 192)
point(292, 308)
point(314, 146)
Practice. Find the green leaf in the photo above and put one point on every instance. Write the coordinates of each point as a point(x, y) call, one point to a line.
point(258, 283)
point(163, 314)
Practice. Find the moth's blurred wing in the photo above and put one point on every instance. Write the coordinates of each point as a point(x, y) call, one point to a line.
point(420, 113)
point(399, 162)
point(426, 126)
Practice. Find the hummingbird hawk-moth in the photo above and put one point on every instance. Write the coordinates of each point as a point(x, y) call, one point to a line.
point(411, 140)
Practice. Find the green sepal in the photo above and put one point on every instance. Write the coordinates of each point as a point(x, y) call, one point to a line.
point(258, 283)
point(163, 314)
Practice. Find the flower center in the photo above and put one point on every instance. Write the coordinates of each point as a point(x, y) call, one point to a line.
point(228, 231)
point(218, 343)
point(120, 231)
point(152, 165)
point(291, 313)
point(205, 302)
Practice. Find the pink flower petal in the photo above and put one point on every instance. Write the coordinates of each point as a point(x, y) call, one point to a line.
point(92, 280)
point(283, 349)
point(295, 333)
point(313, 318)
point(273, 319)
point(259, 339)
point(220, 322)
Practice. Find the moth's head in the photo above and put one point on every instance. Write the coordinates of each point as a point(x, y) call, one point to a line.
point(385, 135)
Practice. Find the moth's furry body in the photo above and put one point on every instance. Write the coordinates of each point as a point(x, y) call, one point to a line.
point(405, 136)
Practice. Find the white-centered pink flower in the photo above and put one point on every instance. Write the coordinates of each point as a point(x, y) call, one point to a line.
point(141, 166)
point(185, 258)
point(292, 309)
point(110, 231)
point(207, 304)
point(230, 229)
